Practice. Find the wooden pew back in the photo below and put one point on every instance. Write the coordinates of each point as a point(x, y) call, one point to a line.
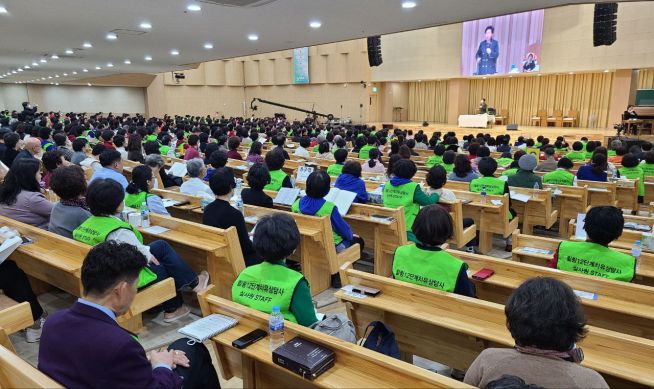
point(16, 373)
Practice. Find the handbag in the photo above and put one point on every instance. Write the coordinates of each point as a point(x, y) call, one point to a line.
point(378, 337)
point(337, 325)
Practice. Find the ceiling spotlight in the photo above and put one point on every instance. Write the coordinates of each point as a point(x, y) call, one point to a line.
point(52, 83)
point(98, 68)
point(88, 83)
point(208, 46)
point(194, 8)
point(127, 62)
point(42, 78)
point(174, 52)
point(56, 76)
point(56, 83)
point(43, 60)
point(85, 70)
point(54, 56)
point(35, 64)
point(69, 51)
point(110, 65)
point(49, 77)
point(74, 73)
point(19, 69)
point(315, 24)
point(65, 74)
point(13, 72)
point(87, 45)
point(253, 37)
point(409, 4)
point(26, 67)
point(145, 25)
point(148, 58)
point(112, 36)
point(3, 10)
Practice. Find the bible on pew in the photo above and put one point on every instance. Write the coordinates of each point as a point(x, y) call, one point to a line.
point(178, 169)
point(286, 196)
point(342, 199)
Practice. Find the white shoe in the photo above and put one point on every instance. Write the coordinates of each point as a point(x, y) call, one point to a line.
point(33, 333)
point(181, 312)
point(203, 282)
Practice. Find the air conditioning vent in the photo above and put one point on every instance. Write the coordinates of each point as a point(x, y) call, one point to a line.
point(239, 3)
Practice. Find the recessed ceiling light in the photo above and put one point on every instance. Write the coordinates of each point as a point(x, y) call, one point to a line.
point(35, 64)
point(127, 62)
point(56, 76)
point(87, 45)
point(52, 83)
point(88, 83)
point(26, 67)
point(409, 4)
point(145, 25)
point(49, 77)
point(571, 73)
point(606, 70)
point(315, 24)
point(85, 70)
point(98, 68)
point(74, 73)
point(56, 83)
point(110, 65)
point(148, 58)
point(112, 36)
point(14, 72)
point(253, 37)
point(208, 46)
point(65, 74)
point(174, 52)
point(194, 8)
point(3, 10)
point(54, 56)
point(43, 60)
point(42, 78)
point(69, 51)
point(20, 70)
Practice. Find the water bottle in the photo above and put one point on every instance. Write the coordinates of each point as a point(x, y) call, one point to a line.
point(483, 196)
point(145, 215)
point(635, 252)
point(536, 187)
point(276, 327)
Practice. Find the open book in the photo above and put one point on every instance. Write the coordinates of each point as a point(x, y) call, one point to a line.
point(342, 199)
point(286, 196)
point(178, 169)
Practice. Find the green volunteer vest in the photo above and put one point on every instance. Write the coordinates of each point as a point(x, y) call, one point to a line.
point(433, 269)
point(315, 148)
point(402, 196)
point(595, 260)
point(561, 150)
point(47, 145)
point(135, 200)
point(559, 177)
point(325, 210)
point(492, 185)
point(611, 153)
point(277, 178)
point(95, 231)
point(163, 150)
point(335, 169)
point(510, 172)
point(648, 169)
point(433, 160)
point(634, 173)
point(364, 153)
point(449, 167)
point(576, 156)
point(150, 138)
point(504, 161)
point(266, 285)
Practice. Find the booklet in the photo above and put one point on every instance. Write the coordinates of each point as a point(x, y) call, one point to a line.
point(286, 196)
point(178, 169)
point(342, 199)
point(303, 173)
point(207, 327)
point(580, 232)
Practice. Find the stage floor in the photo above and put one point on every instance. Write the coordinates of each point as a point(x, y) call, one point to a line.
point(570, 133)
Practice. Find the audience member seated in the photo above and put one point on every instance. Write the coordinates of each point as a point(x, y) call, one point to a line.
point(577, 153)
point(12, 144)
point(85, 347)
point(593, 257)
point(562, 175)
point(157, 164)
point(462, 170)
point(436, 179)
point(138, 192)
point(278, 178)
point(374, 164)
point(364, 153)
point(550, 163)
point(302, 151)
point(350, 180)
point(195, 186)
point(105, 200)
point(69, 183)
point(119, 142)
point(135, 148)
point(426, 263)
point(544, 354)
point(336, 168)
point(80, 147)
point(233, 143)
point(221, 214)
point(192, 149)
point(31, 150)
point(20, 194)
point(648, 164)
point(525, 177)
point(324, 151)
point(619, 154)
point(631, 169)
point(112, 167)
point(276, 237)
point(51, 161)
point(254, 155)
point(258, 178)
point(595, 171)
point(400, 191)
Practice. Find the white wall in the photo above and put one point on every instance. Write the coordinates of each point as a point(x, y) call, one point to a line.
point(66, 98)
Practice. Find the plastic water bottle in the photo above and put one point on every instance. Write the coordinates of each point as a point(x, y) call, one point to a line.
point(483, 195)
point(536, 187)
point(145, 215)
point(636, 249)
point(276, 327)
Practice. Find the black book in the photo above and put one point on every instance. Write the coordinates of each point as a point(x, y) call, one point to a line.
point(304, 358)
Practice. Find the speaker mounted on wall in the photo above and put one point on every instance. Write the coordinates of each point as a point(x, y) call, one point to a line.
point(374, 50)
point(605, 23)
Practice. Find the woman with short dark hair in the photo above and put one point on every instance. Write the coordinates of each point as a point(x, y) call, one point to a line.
point(278, 178)
point(596, 170)
point(69, 183)
point(20, 194)
point(233, 143)
point(324, 151)
point(138, 191)
point(546, 321)
point(350, 180)
point(462, 170)
point(258, 178)
point(254, 155)
point(374, 164)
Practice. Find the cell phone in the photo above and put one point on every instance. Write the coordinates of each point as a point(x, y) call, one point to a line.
point(26, 240)
point(249, 338)
point(365, 290)
point(483, 274)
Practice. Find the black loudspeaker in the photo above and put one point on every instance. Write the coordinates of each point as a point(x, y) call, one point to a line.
point(374, 50)
point(604, 25)
point(512, 127)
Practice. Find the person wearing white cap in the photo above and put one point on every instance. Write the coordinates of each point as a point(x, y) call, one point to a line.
point(525, 177)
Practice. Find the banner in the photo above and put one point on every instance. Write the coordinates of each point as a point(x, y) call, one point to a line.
point(301, 65)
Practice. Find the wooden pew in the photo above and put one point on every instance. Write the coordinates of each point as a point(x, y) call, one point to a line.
point(57, 261)
point(624, 242)
point(644, 274)
point(620, 306)
point(426, 324)
point(568, 200)
point(13, 318)
point(600, 193)
point(649, 191)
point(355, 367)
point(16, 373)
point(203, 247)
point(627, 194)
point(187, 202)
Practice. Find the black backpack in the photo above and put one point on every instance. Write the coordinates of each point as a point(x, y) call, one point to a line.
point(378, 337)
